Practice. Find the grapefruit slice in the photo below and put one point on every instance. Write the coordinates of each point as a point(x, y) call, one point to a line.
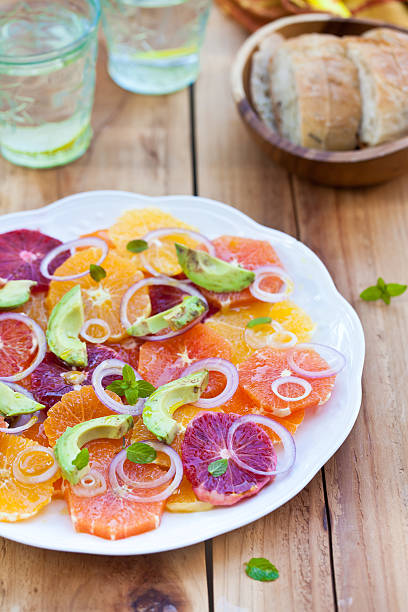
point(35, 308)
point(257, 374)
point(22, 252)
point(17, 347)
point(107, 515)
point(250, 254)
point(205, 441)
point(161, 362)
point(21, 501)
point(53, 378)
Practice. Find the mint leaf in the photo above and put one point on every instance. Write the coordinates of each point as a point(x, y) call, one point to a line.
point(261, 569)
point(82, 459)
point(128, 374)
point(218, 468)
point(132, 396)
point(371, 293)
point(117, 387)
point(139, 452)
point(386, 297)
point(97, 272)
point(381, 283)
point(144, 388)
point(258, 321)
point(394, 289)
point(137, 246)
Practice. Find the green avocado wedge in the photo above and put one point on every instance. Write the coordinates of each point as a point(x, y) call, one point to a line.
point(14, 293)
point(175, 318)
point(212, 273)
point(64, 325)
point(68, 446)
point(160, 406)
point(14, 403)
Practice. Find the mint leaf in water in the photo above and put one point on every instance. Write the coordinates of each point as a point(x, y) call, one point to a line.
point(82, 459)
point(258, 321)
point(137, 246)
point(97, 272)
point(261, 569)
point(218, 468)
point(139, 452)
point(382, 291)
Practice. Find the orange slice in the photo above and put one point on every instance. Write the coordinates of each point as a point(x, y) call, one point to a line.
point(102, 299)
point(21, 501)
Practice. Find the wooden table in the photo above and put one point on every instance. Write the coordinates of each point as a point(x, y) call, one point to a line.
point(342, 543)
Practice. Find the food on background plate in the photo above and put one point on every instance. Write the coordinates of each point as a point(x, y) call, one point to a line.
point(149, 391)
point(333, 93)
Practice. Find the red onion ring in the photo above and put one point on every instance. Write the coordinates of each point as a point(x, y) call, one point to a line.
point(114, 367)
point(90, 485)
point(100, 323)
point(333, 357)
point(281, 431)
point(251, 338)
point(265, 296)
point(123, 491)
point(16, 430)
point(31, 480)
point(167, 282)
point(41, 343)
point(90, 241)
point(283, 380)
point(214, 364)
point(169, 231)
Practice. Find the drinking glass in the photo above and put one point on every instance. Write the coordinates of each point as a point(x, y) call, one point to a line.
point(47, 76)
point(154, 45)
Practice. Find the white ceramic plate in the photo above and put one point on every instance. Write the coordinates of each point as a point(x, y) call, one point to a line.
point(319, 436)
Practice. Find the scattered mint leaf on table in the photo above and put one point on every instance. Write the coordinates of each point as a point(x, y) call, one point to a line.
point(82, 459)
point(137, 246)
point(97, 272)
point(139, 452)
point(261, 569)
point(382, 290)
point(218, 468)
point(258, 321)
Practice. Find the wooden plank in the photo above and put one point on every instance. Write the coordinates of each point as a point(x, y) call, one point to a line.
point(231, 168)
point(360, 235)
point(140, 144)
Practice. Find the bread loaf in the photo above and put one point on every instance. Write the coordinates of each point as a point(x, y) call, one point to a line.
point(387, 36)
point(315, 92)
point(259, 79)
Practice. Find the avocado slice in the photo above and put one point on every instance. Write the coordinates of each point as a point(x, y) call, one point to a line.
point(14, 403)
point(212, 273)
point(176, 317)
point(69, 445)
point(165, 400)
point(64, 325)
point(14, 293)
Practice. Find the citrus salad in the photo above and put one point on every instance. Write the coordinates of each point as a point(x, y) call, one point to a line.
point(146, 368)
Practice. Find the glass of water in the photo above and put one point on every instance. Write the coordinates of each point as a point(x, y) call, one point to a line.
point(154, 45)
point(47, 76)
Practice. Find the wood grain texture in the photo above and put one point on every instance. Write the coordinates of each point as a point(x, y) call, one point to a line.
point(140, 144)
point(231, 168)
point(360, 235)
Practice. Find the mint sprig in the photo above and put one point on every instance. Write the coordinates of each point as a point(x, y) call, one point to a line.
point(139, 452)
point(97, 272)
point(129, 387)
point(218, 468)
point(259, 568)
point(382, 291)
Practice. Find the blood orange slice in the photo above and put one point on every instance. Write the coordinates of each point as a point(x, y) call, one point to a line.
point(106, 515)
point(53, 378)
point(160, 362)
point(205, 441)
point(250, 254)
point(17, 347)
point(257, 374)
point(22, 252)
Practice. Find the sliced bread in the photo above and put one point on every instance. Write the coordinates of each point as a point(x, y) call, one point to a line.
point(259, 79)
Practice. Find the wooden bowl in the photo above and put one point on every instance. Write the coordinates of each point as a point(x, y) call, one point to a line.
point(337, 168)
